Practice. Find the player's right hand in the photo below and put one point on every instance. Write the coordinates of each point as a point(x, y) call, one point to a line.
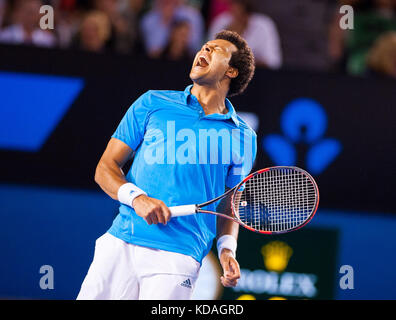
point(152, 210)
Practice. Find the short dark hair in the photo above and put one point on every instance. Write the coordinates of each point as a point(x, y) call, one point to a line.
point(242, 60)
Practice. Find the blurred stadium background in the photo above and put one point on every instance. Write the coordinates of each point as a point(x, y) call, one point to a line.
point(323, 99)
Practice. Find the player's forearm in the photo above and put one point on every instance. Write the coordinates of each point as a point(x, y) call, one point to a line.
point(227, 235)
point(226, 226)
point(227, 230)
point(109, 177)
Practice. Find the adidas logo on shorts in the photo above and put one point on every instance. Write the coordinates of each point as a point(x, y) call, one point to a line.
point(186, 283)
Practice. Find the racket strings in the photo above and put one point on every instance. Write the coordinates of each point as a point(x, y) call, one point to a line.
point(276, 200)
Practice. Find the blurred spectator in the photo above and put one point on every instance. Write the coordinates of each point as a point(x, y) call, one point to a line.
point(303, 27)
point(68, 18)
point(177, 48)
point(94, 32)
point(336, 34)
point(122, 33)
point(25, 26)
point(156, 25)
point(216, 8)
point(258, 29)
point(2, 11)
point(198, 4)
point(372, 18)
point(133, 11)
point(381, 59)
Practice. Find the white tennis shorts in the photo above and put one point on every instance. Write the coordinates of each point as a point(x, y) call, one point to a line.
point(123, 271)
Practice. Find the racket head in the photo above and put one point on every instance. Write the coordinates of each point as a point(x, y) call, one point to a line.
point(275, 200)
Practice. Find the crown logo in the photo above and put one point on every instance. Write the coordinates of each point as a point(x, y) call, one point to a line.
point(276, 255)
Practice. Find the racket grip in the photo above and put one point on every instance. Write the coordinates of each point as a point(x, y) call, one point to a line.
point(186, 210)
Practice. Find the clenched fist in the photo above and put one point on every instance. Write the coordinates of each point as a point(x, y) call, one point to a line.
point(152, 210)
point(231, 270)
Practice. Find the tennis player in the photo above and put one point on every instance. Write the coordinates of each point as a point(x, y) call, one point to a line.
point(146, 254)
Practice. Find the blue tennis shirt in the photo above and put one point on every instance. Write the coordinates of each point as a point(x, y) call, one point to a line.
point(182, 156)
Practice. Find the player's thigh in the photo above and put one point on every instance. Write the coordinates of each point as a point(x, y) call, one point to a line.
point(111, 274)
point(166, 287)
point(151, 261)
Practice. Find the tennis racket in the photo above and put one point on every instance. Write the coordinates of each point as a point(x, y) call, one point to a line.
point(269, 201)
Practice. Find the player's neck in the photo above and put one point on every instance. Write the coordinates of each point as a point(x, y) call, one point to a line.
point(211, 99)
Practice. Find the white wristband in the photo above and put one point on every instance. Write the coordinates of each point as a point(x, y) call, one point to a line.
point(226, 242)
point(128, 192)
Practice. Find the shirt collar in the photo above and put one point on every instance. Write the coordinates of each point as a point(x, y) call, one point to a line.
point(231, 114)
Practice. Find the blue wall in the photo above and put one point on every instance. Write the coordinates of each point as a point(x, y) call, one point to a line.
point(367, 243)
point(49, 227)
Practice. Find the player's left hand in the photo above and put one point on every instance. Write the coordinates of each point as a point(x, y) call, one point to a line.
point(231, 271)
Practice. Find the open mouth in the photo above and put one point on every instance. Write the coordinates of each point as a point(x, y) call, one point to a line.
point(202, 62)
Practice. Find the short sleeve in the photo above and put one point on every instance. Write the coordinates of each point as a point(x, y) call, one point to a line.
point(133, 125)
point(241, 168)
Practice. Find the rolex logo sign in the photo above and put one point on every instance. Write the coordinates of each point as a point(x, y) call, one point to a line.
point(285, 267)
point(276, 255)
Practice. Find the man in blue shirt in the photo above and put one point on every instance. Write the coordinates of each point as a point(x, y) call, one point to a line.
point(189, 146)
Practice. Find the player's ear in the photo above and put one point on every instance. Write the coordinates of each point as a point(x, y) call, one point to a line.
point(232, 72)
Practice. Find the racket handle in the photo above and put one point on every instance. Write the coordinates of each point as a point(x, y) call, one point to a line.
point(186, 210)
